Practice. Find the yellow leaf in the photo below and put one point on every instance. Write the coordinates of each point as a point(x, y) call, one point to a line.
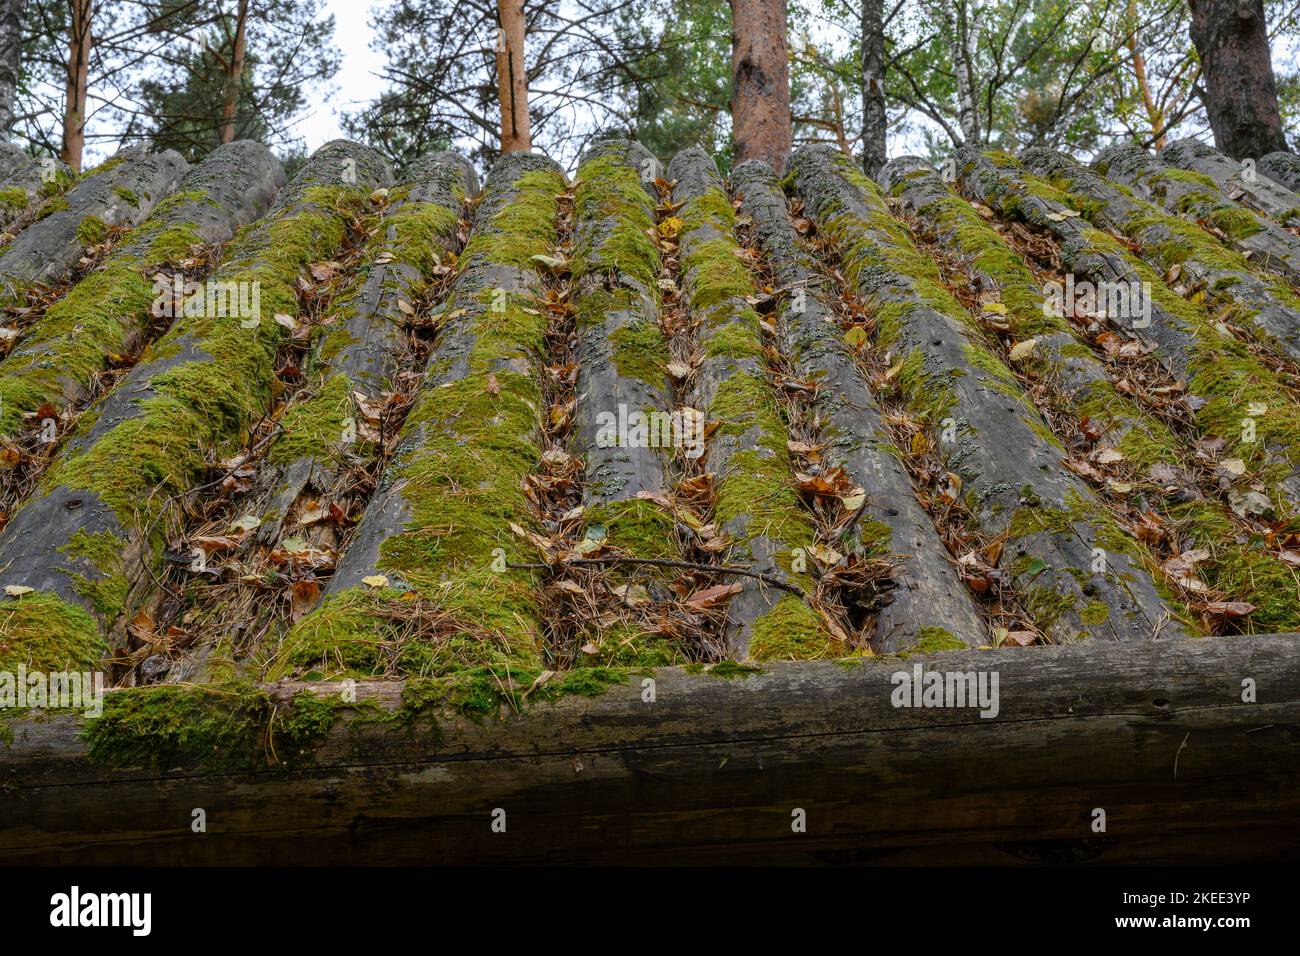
point(374, 581)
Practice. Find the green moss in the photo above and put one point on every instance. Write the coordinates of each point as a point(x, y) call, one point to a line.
point(731, 670)
point(51, 206)
point(92, 231)
point(641, 352)
point(126, 195)
point(1094, 613)
point(106, 590)
point(528, 220)
point(46, 633)
point(932, 639)
point(637, 526)
point(14, 197)
point(790, 630)
point(608, 189)
point(313, 429)
point(230, 726)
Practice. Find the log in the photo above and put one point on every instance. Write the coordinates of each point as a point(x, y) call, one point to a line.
point(89, 541)
point(622, 356)
point(1283, 169)
point(1257, 192)
point(110, 312)
point(757, 505)
point(1157, 734)
point(1212, 366)
point(1150, 177)
point(1167, 241)
point(120, 192)
point(1015, 483)
point(24, 187)
point(927, 591)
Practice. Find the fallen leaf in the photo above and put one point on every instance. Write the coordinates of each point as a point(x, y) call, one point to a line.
point(302, 597)
point(1228, 608)
point(18, 590)
point(710, 597)
point(1022, 350)
point(375, 581)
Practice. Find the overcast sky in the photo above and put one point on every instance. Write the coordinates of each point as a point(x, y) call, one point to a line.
point(356, 82)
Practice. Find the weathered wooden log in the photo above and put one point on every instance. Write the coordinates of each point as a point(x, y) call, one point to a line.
point(1064, 364)
point(109, 312)
point(1268, 245)
point(363, 345)
point(622, 376)
point(1185, 747)
point(1283, 169)
point(757, 505)
point(309, 463)
point(1081, 574)
point(26, 183)
point(1175, 246)
point(1233, 382)
point(422, 587)
point(89, 541)
point(928, 593)
point(1257, 192)
point(120, 192)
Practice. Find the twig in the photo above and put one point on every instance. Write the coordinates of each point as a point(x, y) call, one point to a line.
point(669, 563)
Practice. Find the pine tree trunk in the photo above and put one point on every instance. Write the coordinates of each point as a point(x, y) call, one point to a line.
point(74, 110)
point(512, 79)
point(760, 87)
point(1240, 96)
point(11, 55)
point(234, 79)
point(873, 86)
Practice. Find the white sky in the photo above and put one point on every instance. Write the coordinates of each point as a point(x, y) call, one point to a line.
point(356, 82)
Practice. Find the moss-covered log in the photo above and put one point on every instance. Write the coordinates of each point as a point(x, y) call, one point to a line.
point(360, 348)
point(1177, 247)
point(757, 504)
point(1082, 575)
point(1159, 734)
point(1249, 189)
point(928, 597)
point(25, 184)
point(88, 542)
point(422, 586)
point(1239, 565)
point(1198, 198)
point(110, 311)
point(120, 192)
point(1244, 403)
point(1283, 169)
point(622, 357)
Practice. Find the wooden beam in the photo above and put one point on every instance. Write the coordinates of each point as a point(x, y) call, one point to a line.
point(1156, 734)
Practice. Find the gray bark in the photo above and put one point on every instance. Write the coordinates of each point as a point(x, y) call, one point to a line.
point(233, 186)
point(874, 118)
point(1283, 169)
point(1271, 247)
point(1005, 190)
point(1255, 192)
point(1271, 313)
point(1155, 732)
point(928, 591)
point(47, 250)
point(996, 444)
point(32, 547)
